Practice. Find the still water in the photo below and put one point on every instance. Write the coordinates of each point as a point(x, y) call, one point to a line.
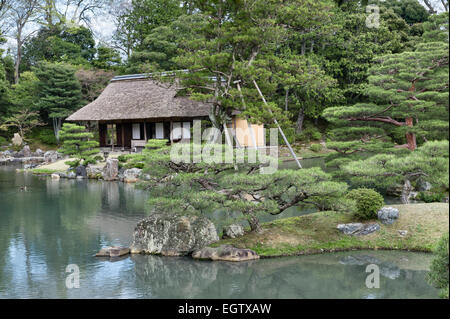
point(56, 223)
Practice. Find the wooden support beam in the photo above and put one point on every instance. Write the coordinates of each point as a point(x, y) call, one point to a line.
point(145, 131)
point(123, 136)
point(278, 125)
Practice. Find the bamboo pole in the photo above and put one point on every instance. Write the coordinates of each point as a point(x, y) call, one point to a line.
point(278, 125)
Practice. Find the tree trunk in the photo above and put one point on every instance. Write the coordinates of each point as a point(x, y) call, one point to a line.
point(286, 100)
point(253, 221)
point(300, 119)
point(410, 137)
point(18, 59)
point(57, 127)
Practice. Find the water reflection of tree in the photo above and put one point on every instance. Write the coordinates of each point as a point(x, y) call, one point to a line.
point(295, 277)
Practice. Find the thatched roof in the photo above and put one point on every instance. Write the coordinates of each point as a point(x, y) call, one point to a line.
point(141, 98)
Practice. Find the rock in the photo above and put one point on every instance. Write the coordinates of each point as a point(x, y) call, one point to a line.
point(406, 192)
point(93, 172)
point(55, 176)
point(225, 253)
point(233, 231)
point(39, 152)
point(173, 235)
point(113, 252)
point(50, 156)
point(17, 139)
point(81, 171)
point(111, 170)
point(71, 175)
point(403, 233)
point(24, 152)
point(358, 229)
point(131, 175)
point(30, 166)
point(388, 215)
point(7, 153)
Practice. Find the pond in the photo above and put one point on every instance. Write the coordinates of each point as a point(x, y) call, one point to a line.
point(52, 224)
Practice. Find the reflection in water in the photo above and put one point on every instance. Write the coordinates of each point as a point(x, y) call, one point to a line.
point(56, 223)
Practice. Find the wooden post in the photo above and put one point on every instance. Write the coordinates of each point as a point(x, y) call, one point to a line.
point(145, 132)
point(123, 136)
point(279, 127)
point(229, 142)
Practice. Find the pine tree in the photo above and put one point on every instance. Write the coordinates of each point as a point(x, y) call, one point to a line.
point(384, 171)
point(407, 94)
point(198, 186)
point(59, 92)
point(77, 142)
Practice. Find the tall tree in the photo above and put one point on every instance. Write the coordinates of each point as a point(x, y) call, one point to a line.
point(434, 6)
point(107, 58)
point(4, 92)
point(136, 21)
point(408, 92)
point(69, 43)
point(22, 13)
point(54, 12)
point(59, 92)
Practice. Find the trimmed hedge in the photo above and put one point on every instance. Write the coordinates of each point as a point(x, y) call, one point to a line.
point(368, 202)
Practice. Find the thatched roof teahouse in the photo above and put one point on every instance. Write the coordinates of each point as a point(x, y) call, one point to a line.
point(133, 109)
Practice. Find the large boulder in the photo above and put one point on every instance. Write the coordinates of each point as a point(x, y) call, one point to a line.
point(225, 253)
point(111, 169)
point(51, 156)
point(17, 139)
point(172, 235)
point(81, 171)
point(71, 174)
point(358, 229)
point(39, 152)
point(131, 175)
point(388, 215)
point(233, 231)
point(24, 152)
point(93, 172)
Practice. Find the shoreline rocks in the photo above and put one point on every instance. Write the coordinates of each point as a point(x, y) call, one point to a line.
point(172, 235)
point(113, 251)
point(111, 169)
point(225, 253)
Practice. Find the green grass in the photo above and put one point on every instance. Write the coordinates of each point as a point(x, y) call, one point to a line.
point(44, 171)
point(316, 233)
